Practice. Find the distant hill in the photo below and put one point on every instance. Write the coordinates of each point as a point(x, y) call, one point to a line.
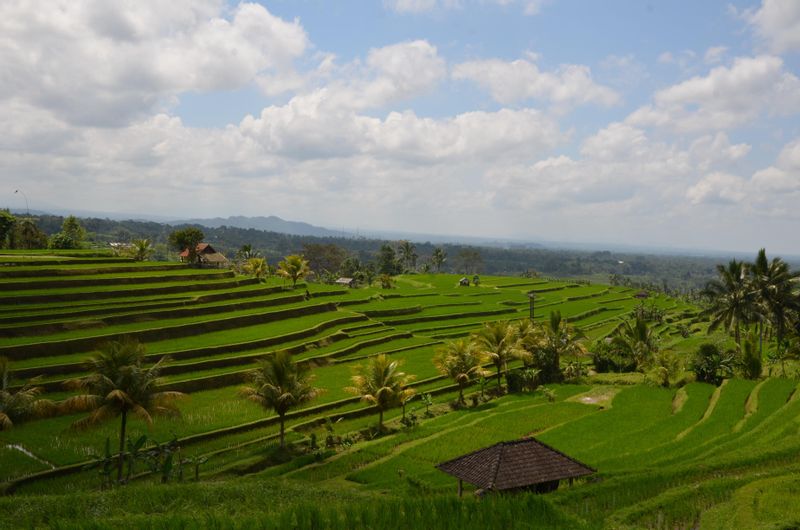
point(269, 224)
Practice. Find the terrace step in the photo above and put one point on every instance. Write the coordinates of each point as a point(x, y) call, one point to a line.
point(125, 293)
point(143, 316)
point(85, 344)
point(19, 272)
point(68, 283)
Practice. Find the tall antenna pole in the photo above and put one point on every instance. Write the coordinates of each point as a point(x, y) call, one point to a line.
point(27, 208)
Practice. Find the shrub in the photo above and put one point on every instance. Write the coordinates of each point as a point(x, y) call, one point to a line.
point(710, 365)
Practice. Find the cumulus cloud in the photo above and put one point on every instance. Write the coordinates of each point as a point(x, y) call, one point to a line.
point(718, 188)
point(725, 98)
point(522, 80)
point(777, 24)
point(93, 64)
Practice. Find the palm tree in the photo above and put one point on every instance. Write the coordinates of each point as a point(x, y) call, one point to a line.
point(438, 258)
point(141, 249)
point(257, 267)
point(773, 284)
point(120, 385)
point(731, 299)
point(496, 341)
point(294, 267)
point(408, 254)
point(462, 361)
point(24, 403)
point(381, 383)
point(546, 343)
point(636, 340)
point(280, 384)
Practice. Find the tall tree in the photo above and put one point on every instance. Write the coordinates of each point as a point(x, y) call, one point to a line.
point(496, 341)
point(387, 261)
point(120, 385)
point(293, 267)
point(7, 222)
point(545, 344)
point(26, 235)
point(408, 254)
point(774, 285)
point(280, 384)
point(438, 257)
point(731, 299)
point(461, 361)
point(187, 239)
point(381, 383)
point(21, 404)
point(324, 259)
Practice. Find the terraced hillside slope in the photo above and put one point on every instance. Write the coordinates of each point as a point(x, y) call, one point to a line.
point(666, 458)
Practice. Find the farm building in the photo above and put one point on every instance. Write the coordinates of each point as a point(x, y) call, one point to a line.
point(348, 282)
point(526, 464)
point(207, 256)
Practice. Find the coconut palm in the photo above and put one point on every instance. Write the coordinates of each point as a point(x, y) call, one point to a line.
point(636, 340)
point(141, 249)
point(408, 254)
point(294, 267)
point(496, 341)
point(256, 267)
point(438, 258)
point(21, 404)
point(280, 384)
point(381, 383)
point(120, 385)
point(732, 301)
point(773, 284)
point(462, 361)
point(546, 343)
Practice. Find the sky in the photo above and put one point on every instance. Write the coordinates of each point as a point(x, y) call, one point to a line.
point(662, 123)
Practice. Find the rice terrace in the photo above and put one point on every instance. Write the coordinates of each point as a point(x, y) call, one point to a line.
point(400, 264)
point(669, 450)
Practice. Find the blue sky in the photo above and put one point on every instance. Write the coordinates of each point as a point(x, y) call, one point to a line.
point(644, 123)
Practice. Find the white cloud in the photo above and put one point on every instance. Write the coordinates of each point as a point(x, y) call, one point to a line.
point(522, 80)
point(718, 188)
point(725, 98)
point(714, 54)
point(777, 24)
point(89, 63)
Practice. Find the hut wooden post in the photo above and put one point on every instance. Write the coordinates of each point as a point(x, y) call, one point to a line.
point(460, 487)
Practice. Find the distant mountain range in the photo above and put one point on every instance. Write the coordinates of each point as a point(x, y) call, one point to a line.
point(269, 224)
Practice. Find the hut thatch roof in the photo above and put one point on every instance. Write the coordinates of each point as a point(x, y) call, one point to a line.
point(517, 464)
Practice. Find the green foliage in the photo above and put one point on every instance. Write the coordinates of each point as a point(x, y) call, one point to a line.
point(293, 267)
point(387, 262)
point(749, 364)
point(462, 361)
point(120, 384)
point(141, 249)
point(280, 384)
point(711, 365)
point(7, 222)
point(22, 403)
point(187, 239)
point(382, 384)
point(26, 235)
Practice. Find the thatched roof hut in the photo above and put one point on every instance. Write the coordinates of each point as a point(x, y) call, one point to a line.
point(526, 464)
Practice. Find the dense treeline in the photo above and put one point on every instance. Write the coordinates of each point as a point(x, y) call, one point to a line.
point(671, 273)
